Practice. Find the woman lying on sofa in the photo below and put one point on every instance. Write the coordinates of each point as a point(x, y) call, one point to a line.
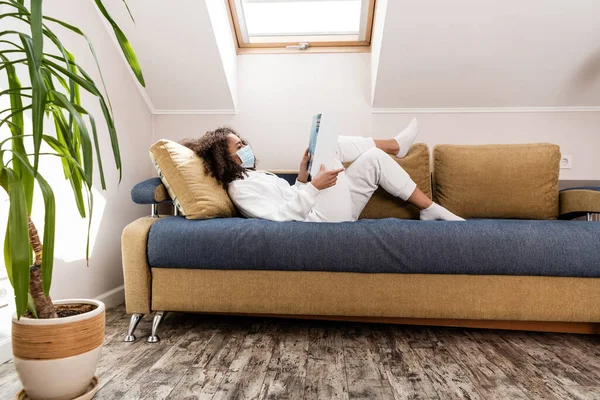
point(332, 195)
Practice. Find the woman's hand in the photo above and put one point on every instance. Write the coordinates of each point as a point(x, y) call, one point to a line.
point(326, 179)
point(303, 174)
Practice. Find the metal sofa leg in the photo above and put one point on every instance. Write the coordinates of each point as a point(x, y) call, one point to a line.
point(133, 323)
point(158, 316)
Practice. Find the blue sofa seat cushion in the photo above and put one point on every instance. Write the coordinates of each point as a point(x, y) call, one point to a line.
point(478, 247)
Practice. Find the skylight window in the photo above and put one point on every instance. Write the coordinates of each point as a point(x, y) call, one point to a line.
point(302, 23)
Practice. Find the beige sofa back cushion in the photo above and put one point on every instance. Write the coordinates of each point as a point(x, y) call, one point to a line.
point(498, 181)
point(384, 205)
point(196, 194)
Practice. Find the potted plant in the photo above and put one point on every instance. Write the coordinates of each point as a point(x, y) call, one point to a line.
point(51, 341)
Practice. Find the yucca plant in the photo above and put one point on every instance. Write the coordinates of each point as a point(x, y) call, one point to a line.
point(52, 96)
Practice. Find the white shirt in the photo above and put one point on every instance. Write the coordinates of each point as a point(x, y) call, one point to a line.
point(264, 195)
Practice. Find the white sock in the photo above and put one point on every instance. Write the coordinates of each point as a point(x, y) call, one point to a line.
point(407, 137)
point(437, 212)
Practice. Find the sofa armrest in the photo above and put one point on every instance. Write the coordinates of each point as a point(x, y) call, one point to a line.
point(579, 201)
point(136, 271)
point(150, 191)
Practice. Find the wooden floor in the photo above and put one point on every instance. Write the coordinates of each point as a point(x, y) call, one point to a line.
point(218, 357)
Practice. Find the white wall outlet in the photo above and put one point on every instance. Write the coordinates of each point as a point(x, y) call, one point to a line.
point(566, 161)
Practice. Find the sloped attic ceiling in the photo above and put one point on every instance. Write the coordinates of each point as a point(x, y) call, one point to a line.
point(431, 53)
point(177, 48)
point(489, 53)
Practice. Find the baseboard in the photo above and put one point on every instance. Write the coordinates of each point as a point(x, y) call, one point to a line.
point(113, 297)
point(5, 350)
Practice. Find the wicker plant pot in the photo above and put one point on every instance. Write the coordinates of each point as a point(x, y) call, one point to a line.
point(56, 358)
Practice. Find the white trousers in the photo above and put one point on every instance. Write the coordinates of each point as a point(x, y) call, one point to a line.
point(370, 169)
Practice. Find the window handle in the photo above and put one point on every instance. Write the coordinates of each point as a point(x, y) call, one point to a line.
point(299, 46)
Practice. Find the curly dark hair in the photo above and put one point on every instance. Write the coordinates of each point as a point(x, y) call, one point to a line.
point(214, 150)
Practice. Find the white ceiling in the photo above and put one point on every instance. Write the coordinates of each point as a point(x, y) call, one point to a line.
point(176, 46)
point(432, 53)
point(489, 53)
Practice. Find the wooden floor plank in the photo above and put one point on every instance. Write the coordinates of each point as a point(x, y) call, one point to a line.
point(116, 351)
point(119, 379)
point(583, 392)
point(286, 374)
point(245, 376)
point(325, 368)
point(548, 362)
point(572, 353)
point(491, 381)
point(447, 376)
point(225, 357)
point(11, 390)
point(9, 381)
point(589, 342)
point(517, 366)
point(166, 373)
point(7, 373)
point(365, 373)
point(402, 368)
point(202, 379)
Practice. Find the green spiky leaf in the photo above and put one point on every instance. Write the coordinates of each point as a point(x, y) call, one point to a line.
point(126, 47)
point(18, 246)
point(38, 102)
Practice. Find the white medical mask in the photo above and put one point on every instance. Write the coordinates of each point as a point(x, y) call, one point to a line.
point(247, 156)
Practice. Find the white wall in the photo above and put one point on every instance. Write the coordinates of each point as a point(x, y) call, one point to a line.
point(114, 209)
point(277, 94)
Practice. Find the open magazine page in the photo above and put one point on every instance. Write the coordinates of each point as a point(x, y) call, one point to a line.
point(312, 142)
point(324, 150)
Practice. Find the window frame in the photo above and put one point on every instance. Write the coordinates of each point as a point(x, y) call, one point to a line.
point(314, 47)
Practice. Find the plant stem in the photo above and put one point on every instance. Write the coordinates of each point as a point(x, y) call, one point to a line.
point(43, 305)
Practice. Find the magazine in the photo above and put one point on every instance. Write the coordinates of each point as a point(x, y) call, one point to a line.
point(312, 142)
point(322, 144)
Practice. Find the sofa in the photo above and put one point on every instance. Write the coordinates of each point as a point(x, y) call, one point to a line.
point(520, 261)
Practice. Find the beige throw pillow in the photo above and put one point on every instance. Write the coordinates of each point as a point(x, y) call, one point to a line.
point(196, 194)
point(498, 181)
